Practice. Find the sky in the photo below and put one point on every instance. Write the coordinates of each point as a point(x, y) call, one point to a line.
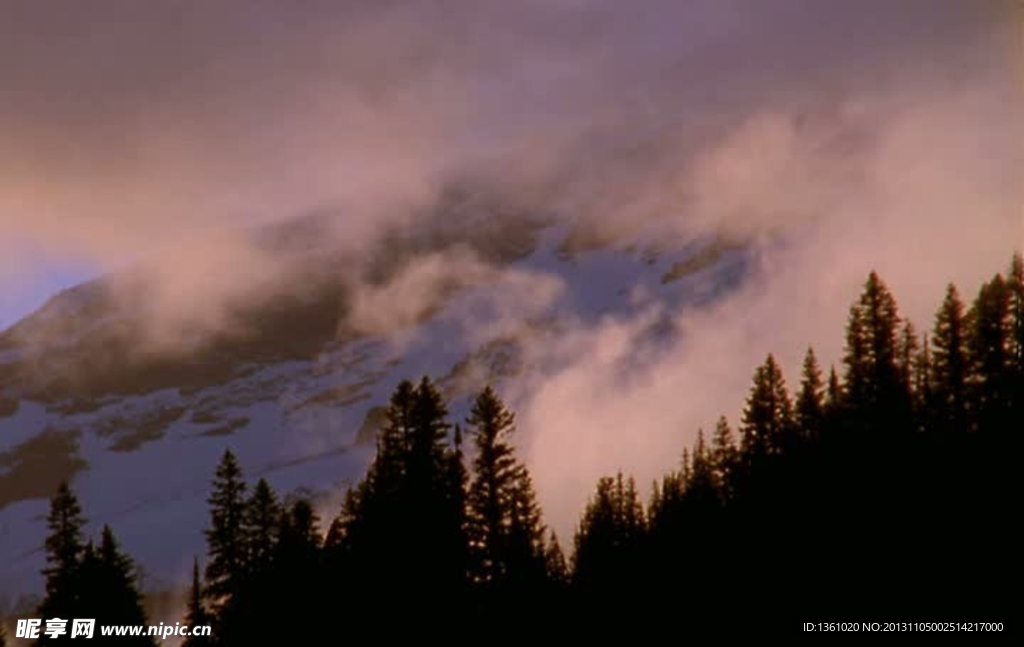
point(871, 134)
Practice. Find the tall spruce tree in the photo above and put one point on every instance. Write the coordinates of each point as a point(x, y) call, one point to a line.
point(110, 583)
point(768, 415)
point(261, 524)
point(702, 488)
point(810, 404)
point(255, 591)
point(225, 537)
point(555, 565)
point(923, 397)
point(456, 505)
point(436, 501)
point(990, 354)
point(65, 549)
point(196, 614)
point(609, 541)
point(1015, 286)
point(949, 365)
point(909, 349)
point(296, 568)
point(505, 532)
point(402, 530)
point(724, 458)
point(834, 400)
point(876, 396)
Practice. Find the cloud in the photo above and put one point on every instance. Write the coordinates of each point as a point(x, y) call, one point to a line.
point(837, 136)
point(916, 187)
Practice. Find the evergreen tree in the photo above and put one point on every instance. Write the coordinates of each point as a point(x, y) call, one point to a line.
point(810, 405)
point(439, 557)
point(908, 354)
point(456, 499)
point(667, 505)
point(110, 584)
point(65, 549)
point(768, 416)
point(371, 521)
point(1015, 286)
point(685, 470)
point(555, 565)
point(724, 458)
point(834, 400)
point(949, 365)
point(876, 394)
point(990, 353)
point(402, 531)
point(923, 397)
point(195, 612)
point(609, 539)
point(504, 527)
point(295, 568)
point(300, 536)
point(701, 487)
point(261, 523)
point(225, 537)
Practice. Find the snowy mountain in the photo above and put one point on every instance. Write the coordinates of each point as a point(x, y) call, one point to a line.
point(296, 392)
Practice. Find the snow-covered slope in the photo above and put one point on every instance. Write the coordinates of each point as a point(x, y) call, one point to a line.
point(297, 399)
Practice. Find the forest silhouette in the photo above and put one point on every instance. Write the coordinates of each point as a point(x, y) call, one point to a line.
point(882, 490)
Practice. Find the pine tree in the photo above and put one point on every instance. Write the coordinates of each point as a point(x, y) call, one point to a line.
point(456, 499)
point(300, 535)
point(525, 553)
point(702, 488)
point(990, 354)
point(401, 529)
point(768, 416)
point(876, 395)
point(110, 579)
point(609, 538)
point(724, 458)
point(195, 613)
point(296, 568)
point(504, 528)
point(909, 350)
point(1015, 286)
point(834, 400)
point(226, 537)
point(65, 549)
point(261, 523)
point(810, 413)
point(949, 365)
point(923, 396)
point(372, 518)
point(439, 555)
point(554, 564)
point(428, 441)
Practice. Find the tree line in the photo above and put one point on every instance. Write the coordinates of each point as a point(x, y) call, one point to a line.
point(886, 486)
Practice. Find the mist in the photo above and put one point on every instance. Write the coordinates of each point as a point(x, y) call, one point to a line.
point(835, 137)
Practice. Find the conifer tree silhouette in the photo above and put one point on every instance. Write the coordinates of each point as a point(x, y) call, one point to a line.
point(768, 416)
point(505, 530)
point(196, 614)
point(65, 550)
point(810, 403)
point(225, 538)
point(110, 590)
point(949, 366)
point(876, 397)
point(990, 350)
